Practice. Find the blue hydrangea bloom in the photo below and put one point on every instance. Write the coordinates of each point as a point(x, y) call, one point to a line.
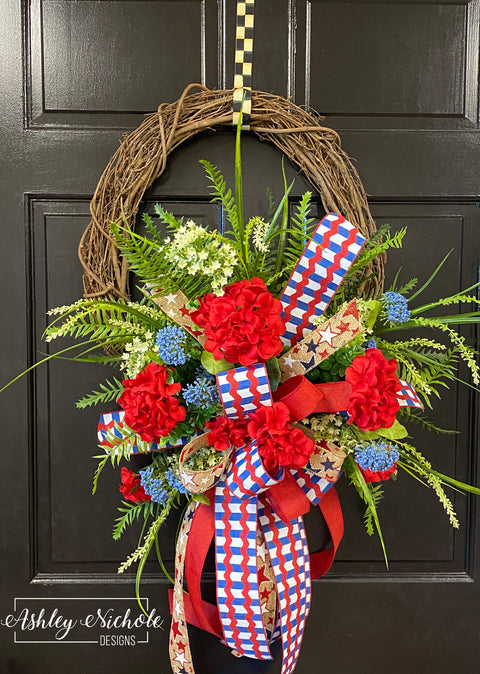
point(371, 344)
point(171, 342)
point(175, 482)
point(377, 457)
point(203, 392)
point(396, 306)
point(153, 487)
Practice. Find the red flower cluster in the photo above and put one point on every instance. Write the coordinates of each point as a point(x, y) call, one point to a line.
point(373, 401)
point(378, 475)
point(243, 325)
point(224, 432)
point(149, 403)
point(131, 488)
point(279, 443)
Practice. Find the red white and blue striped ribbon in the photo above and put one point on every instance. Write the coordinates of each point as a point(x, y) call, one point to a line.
point(288, 550)
point(111, 424)
point(407, 396)
point(313, 486)
point(318, 274)
point(236, 521)
point(239, 505)
point(244, 389)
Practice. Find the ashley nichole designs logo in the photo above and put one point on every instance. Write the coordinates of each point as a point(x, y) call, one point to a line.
point(109, 621)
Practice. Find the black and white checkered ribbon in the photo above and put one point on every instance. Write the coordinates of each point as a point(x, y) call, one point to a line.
point(243, 63)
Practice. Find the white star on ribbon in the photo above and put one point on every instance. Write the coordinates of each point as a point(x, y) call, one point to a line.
point(187, 479)
point(181, 658)
point(171, 298)
point(261, 551)
point(178, 608)
point(327, 335)
point(288, 361)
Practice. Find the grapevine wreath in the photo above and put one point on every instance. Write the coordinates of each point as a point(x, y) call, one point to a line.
point(259, 365)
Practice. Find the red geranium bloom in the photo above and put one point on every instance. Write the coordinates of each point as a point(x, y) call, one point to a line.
point(373, 401)
point(243, 325)
point(149, 403)
point(378, 475)
point(225, 432)
point(131, 488)
point(279, 443)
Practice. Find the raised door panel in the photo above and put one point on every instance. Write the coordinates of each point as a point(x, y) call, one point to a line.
point(105, 64)
point(383, 64)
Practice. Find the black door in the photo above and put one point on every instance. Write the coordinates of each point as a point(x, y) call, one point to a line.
point(399, 81)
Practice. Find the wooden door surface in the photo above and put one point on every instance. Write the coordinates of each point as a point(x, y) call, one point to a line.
point(399, 81)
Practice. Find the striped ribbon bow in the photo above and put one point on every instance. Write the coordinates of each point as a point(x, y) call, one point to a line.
point(251, 522)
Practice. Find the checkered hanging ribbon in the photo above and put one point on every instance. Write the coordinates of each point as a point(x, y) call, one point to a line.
point(243, 63)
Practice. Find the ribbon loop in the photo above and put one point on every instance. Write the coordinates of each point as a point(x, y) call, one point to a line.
point(247, 477)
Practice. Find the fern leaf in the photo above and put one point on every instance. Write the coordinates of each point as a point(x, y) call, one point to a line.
point(101, 465)
point(130, 513)
point(220, 193)
point(110, 390)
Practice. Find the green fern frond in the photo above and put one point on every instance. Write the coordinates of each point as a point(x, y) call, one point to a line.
point(465, 352)
point(300, 230)
point(110, 390)
point(416, 465)
point(411, 415)
point(123, 447)
point(372, 249)
point(220, 193)
point(364, 490)
point(421, 365)
point(168, 218)
point(131, 513)
point(102, 460)
point(406, 287)
point(152, 229)
point(376, 493)
point(142, 552)
point(93, 319)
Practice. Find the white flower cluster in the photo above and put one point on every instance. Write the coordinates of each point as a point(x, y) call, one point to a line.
point(200, 252)
point(259, 230)
point(137, 354)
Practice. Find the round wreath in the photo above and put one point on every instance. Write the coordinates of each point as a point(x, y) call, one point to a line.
point(142, 157)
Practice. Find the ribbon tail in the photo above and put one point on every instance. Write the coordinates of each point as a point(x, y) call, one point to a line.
point(238, 597)
point(331, 509)
point(179, 644)
point(288, 551)
point(203, 614)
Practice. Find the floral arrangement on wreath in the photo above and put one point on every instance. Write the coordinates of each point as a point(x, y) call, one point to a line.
point(254, 372)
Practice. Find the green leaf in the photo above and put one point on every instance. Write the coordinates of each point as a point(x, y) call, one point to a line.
point(201, 498)
point(273, 373)
point(396, 432)
point(130, 513)
point(214, 366)
point(375, 308)
point(239, 189)
point(431, 277)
